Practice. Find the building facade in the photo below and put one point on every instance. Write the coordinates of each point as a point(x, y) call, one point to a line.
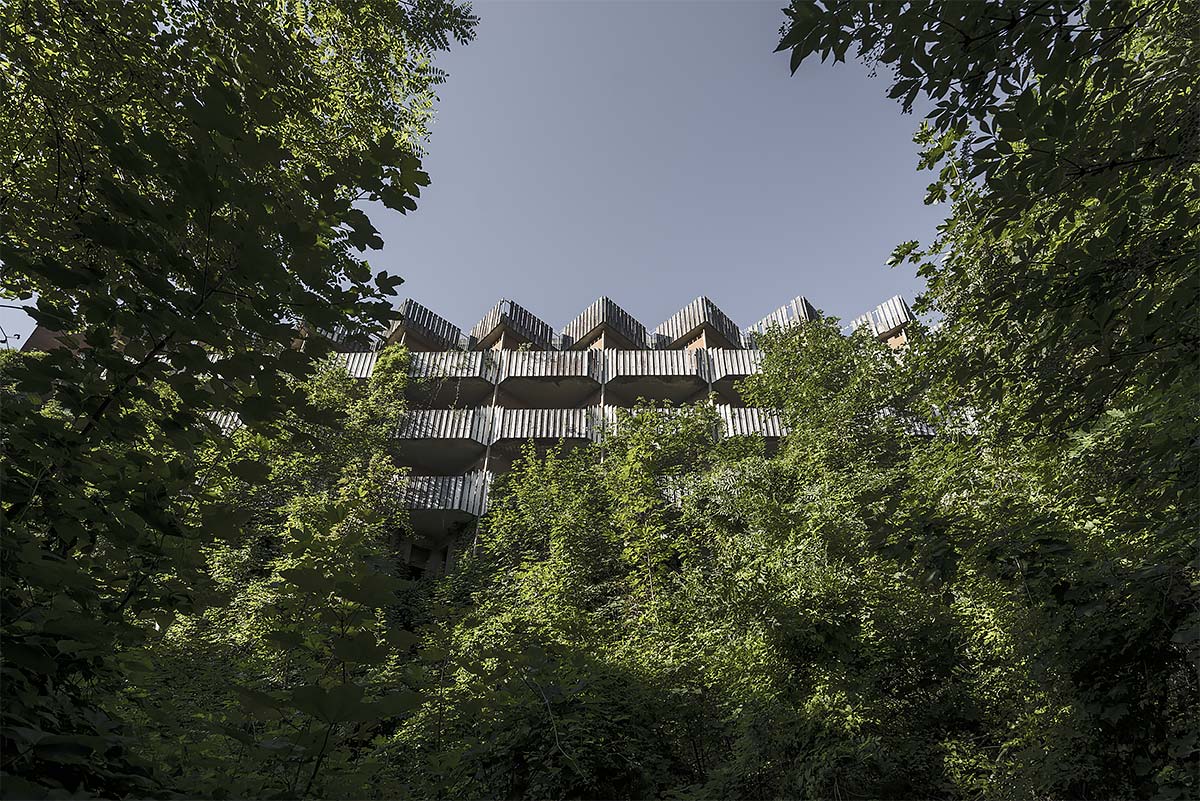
point(476, 398)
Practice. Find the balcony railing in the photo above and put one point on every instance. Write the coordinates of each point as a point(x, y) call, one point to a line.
point(700, 312)
point(465, 493)
point(359, 364)
point(597, 365)
point(473, 424)
point(488, 425)
point(725, 363)
point(654, 363)
point(453, 365)
point(749, 422)
point(546, 424)
point(520, 321)
point(551, 364)
point(605, 312)
point(885, 319)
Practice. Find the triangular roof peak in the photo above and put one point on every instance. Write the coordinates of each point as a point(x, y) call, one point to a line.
point(605, 317)
point(509, 316)
point(797, 310)
point(420, 328)
point(697, 317)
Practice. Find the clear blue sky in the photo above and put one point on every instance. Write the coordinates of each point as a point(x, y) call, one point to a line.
point(653, 152)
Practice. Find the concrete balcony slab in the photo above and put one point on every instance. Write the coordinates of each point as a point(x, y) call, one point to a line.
point(451, 380)
point(549, 379)
point(443, 441)
point(678, 376)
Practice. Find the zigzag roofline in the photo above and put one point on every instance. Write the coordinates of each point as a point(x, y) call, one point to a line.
point(701, 323)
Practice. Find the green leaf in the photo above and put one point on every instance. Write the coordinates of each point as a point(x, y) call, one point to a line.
point(253, 471)
point(360, 648)
point(339, 704)
point(308, 579)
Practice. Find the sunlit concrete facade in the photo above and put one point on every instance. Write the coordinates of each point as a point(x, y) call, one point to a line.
point(477, 397)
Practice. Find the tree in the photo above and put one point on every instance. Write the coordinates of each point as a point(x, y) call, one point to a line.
point(279, 682)
point(178, 191)
point(1066, 137)
point(872, 611)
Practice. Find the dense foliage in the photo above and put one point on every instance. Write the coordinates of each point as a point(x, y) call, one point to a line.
point(1066, 136)
point(1006, 608)
point(177, 191)
point(871, 612)
point(302, 626)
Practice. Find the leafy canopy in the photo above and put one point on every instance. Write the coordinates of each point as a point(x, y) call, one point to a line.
point(178, 191)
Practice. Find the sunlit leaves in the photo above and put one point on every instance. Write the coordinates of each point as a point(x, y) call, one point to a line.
point(1065, 286)
point(179, 195)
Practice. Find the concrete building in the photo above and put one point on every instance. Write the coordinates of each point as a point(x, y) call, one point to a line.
point(476, 398)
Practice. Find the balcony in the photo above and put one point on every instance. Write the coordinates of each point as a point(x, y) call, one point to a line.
point(678, 376)
point(545, 379)
point(607, 326)
point(550, 379)
point(514, 428)
point(438, 504)
point(699, 324)
point(727, 367)
point(443, 441)
point(451, 379)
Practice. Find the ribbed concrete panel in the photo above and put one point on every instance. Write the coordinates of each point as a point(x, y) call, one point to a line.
point(359, 364)
point(745, 422)
point(432, 492)
point(453, 364)
point(553, 364)
point(726, 363)
point(606, 313)
point(475, 489)
point(694, 316)
point(797, 310)
point(465, 493)
point(226, 422)
point(473, 424)
point(414, 317)
point(442, 442)
point(886, 318)
point(545, 424)
point(658, 363)
point(517, 319)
